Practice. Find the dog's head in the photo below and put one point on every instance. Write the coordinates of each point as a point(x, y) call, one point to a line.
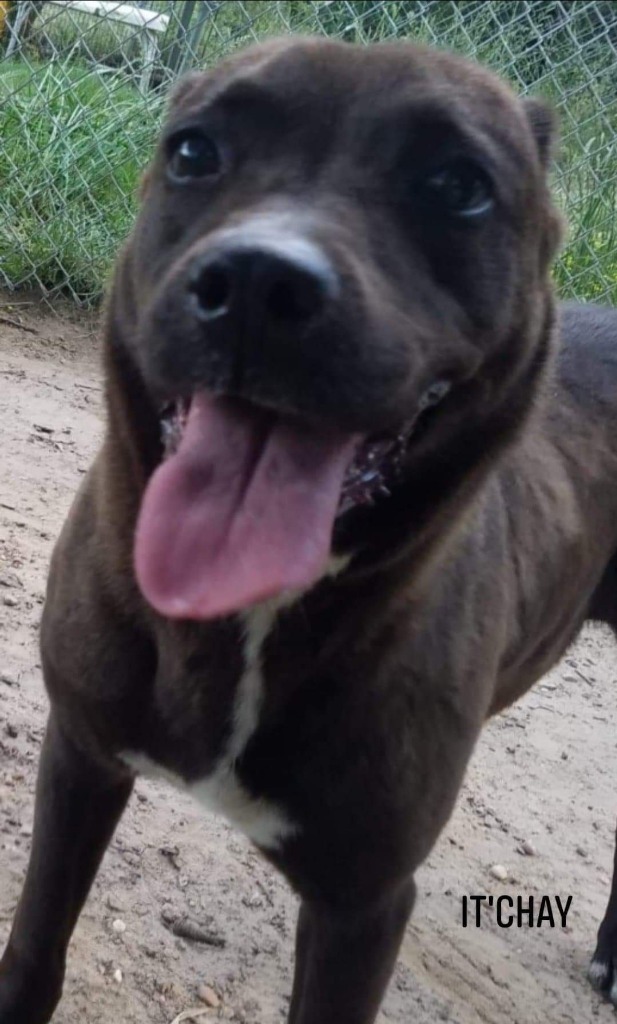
point(336, 303)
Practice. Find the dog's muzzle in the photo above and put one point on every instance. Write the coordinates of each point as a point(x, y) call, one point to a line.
point(263, 448)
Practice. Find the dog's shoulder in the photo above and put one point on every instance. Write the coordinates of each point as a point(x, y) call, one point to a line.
point(587, 362)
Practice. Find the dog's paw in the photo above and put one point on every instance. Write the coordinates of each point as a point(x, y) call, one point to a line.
point(602, 974)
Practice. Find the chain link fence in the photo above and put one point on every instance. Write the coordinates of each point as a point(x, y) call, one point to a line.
point(82, 87)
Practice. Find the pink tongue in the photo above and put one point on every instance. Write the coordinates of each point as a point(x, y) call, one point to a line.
point(242, 511)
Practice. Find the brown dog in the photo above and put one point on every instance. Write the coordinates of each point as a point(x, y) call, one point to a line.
point(380, 509)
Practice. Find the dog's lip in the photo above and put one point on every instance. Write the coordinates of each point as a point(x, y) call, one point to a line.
point(172, 418)
point(375, 468)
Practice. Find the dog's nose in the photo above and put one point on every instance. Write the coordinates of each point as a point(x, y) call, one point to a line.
point(263, 287)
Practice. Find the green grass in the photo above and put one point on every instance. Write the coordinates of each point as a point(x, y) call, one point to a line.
point(586, 191)
point(73, 144)
point(81, 36)
point(76, 132)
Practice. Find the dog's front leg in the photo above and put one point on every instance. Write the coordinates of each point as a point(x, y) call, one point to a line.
point(78, 804)
point(344, 960)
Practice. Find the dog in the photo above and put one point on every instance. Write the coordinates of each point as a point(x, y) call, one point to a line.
point(357, 492)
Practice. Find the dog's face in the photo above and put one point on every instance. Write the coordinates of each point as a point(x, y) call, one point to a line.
point(339, 265)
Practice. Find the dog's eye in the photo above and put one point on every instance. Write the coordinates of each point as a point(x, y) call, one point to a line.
point(461, 188)
point(192, 155)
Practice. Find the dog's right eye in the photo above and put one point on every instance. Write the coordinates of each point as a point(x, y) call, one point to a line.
point(460, 188)
point(192, 155)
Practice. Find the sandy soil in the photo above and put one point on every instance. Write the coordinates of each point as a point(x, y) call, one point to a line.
point(543, 773)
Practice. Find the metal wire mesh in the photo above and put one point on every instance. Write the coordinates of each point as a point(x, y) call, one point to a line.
point(82, 88)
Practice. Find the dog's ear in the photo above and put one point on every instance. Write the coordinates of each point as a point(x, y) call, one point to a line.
point(543, 123)
point(183, 88)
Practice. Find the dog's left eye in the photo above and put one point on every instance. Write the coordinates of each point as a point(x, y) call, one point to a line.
point(192, 155)
point(461, 188)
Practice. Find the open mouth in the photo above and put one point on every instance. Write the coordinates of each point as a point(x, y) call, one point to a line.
point(244, 502)
point(374, 469)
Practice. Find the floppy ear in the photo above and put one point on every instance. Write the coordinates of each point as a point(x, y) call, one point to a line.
point(184, 87)
point(543, 123)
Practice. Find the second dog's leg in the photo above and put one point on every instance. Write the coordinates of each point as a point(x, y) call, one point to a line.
point(603, 967)
point(78, 805)
point(344, 962)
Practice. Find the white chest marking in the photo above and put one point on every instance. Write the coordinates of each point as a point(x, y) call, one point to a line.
point(260, 819)
point(222, 792)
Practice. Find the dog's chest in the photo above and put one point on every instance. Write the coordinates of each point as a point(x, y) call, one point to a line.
point(221, 791)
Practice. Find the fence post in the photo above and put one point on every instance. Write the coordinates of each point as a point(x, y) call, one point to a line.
point(205, 16)
point(18, 23)
point(176, 56)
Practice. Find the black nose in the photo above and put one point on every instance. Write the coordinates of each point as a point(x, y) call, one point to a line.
point(262, 287)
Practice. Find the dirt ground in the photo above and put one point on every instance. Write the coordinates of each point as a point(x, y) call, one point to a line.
point(543, 773)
